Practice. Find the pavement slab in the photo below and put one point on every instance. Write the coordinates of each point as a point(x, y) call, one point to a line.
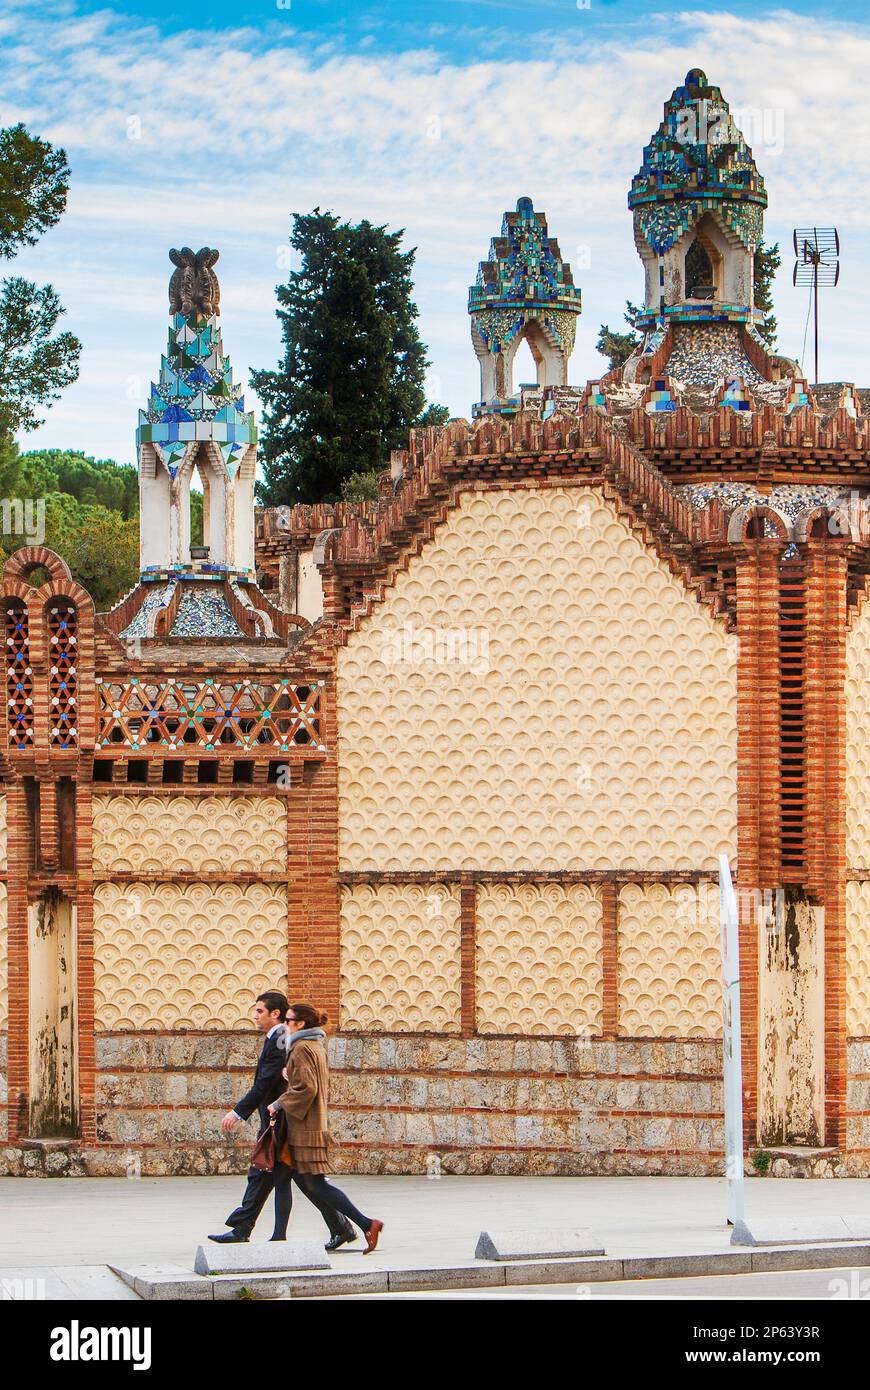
point(431, 1225)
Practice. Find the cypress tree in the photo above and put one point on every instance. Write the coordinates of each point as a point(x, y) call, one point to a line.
point(350, 382)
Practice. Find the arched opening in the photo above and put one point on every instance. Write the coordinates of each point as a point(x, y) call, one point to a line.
point(36, 575)
point(700, 272)
point(525, 366)
point(63, 626)
point(197, 500)
point(19, 677)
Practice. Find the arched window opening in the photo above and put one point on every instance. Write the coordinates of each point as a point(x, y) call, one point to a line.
point(525, 367)
point(700, 277)
point(63, 679)
point(19, 677)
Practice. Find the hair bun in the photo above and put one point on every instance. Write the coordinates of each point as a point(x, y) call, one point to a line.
point(322, 1019)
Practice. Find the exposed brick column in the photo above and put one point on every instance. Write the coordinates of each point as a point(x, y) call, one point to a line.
point(313, 917)
point(825, 705)
point(84, 898)
point(757, 576)
point(468, 957)
point(610, 959)
point(18, 1071)
point(48, 850)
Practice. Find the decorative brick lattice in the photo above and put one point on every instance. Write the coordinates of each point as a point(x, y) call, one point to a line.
point(670, 964)
point(400, 961)
point(171, 955)
point(174, 715)
point(539, 959)
point(208, 834)
point(63, 682)
point(858, 959)
point(19, 677)
point(537, 692)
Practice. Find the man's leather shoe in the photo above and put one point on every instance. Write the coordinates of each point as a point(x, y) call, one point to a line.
point(341, 1238)
point(230, 1238)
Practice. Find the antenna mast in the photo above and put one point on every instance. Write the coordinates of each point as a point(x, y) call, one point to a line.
point(817, 262)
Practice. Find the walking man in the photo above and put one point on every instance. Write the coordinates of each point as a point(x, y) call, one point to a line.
point(269, 1012)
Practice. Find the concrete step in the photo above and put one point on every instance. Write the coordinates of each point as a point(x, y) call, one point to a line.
point(173, 1282)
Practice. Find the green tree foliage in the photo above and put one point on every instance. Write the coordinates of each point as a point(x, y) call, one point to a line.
point(102, 551)
point(33, 185)
point(34, 366)
point(433, 415)
point(36, 363)
point(90, 514)
point(350, 383)
point(92, 482)
point(766, 264)
point(618, 347)
point(365, 487)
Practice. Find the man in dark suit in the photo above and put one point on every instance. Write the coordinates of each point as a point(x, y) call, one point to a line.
point(269, 1011)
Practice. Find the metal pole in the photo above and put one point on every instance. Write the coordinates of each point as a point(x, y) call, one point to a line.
point(731, 1040)
point(816, 311)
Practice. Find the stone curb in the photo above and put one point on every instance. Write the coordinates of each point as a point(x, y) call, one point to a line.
point(163, 1283)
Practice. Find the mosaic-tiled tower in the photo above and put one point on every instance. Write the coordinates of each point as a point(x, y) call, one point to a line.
point(196, 420)
point(524, 291)
point(698, 202)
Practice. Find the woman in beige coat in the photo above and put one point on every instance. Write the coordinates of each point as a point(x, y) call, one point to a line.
point(304, 1149)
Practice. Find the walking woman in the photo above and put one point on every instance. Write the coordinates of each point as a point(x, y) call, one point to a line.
point(303, 1153)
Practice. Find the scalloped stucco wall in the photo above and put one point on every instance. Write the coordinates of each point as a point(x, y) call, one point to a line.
point(858, 959)
point(199, 834)
point(400, 962)
point(190, 955)
point(537, 691)
point(670, 962)
point(539, 959)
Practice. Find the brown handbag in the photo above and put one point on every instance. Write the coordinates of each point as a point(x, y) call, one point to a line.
point(263, 1156)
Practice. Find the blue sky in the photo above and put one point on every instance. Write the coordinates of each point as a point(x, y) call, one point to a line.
point(212, 123)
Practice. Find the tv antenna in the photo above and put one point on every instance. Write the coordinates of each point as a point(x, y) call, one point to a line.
point(817, 262)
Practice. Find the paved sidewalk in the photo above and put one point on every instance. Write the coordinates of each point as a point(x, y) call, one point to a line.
point(63, 1222)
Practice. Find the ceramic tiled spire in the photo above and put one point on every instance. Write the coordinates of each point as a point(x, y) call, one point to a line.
point(523, 290)
point(698, 202)
point(196, 421)
point(195, 398)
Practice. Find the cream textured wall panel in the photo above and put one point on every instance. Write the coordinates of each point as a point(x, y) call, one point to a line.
point(537, 691)
point(191, 955)
point(4, 952)
point(400, 963)
point(203, 834)
point(539, 959)
point(858, 740)
point(670, 976)
point(3, 861)
point(858, 959)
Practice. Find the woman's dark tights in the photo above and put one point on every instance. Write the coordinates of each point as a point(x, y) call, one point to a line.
point(323, 1193)
point(318, 1191)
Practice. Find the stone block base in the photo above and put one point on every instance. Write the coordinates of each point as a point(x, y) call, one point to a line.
point(428, 1104)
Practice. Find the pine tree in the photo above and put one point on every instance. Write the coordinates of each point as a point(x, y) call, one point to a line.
point(618, 347)
point(34, 365)
point(766, 264)
point(350, 383)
